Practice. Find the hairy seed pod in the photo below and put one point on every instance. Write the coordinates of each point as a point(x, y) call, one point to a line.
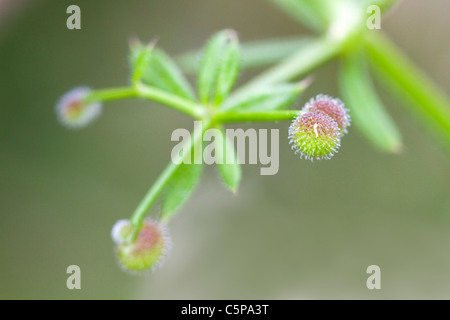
point(333, 107)
point(314, 135)
point(73, 112)
point(147, 251)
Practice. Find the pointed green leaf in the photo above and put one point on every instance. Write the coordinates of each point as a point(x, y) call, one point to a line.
point(228, 70)
point(165, 179)
point(185, 175)
point(182, 184)
point(139, 59)
point(265, 98)
point(366, 108)
point(210, 65)
point(164, 74)
point(229, 168)
point(184, 179)
point(423, 98)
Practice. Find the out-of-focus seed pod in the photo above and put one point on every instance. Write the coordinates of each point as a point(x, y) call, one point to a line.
point(147, 251)
point(73, 112)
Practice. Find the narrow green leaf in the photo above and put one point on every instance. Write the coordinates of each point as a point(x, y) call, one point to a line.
point(139, 59)
point(254, 54)
point(366, 109)
point(228, 165)
point(164, 74)
point(265, 98)
point(165, 178)
point(185, 178)
point(228, 70)
point(423, 98)
point(181, 185)
point(210, 65)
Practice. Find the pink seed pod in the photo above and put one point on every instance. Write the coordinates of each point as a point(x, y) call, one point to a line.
point(332, 107)
point(73, 112)
point(147, 251)
point(314, 135)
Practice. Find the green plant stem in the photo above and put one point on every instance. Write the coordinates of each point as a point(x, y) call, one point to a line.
point(180, 104)
point(163, 180)
point(306, 59)
point(236, 116)
point(150, 93)
point(111, 94)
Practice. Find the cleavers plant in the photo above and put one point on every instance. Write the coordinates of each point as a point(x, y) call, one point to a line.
point(316, 130)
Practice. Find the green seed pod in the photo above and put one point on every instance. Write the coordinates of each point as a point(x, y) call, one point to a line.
point(314, 135)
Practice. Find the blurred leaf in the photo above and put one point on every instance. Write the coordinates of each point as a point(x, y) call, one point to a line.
point(307, 58)
point(367, 110)
point(318, 15)
point(311, 13)
point(254, 54)
point(228, 70)
point(265, 98)
point(423, 97)
point(229, 168)
point(210, 65)
point(164, 74)
point(139, 59)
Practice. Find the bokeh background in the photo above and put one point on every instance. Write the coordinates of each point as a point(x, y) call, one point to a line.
point(308, 232)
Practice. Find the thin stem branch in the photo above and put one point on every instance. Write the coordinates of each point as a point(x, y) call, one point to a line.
point(150, 93)
point(111, 94)
point(236, 116)
point(152, 195)
point(180, 104)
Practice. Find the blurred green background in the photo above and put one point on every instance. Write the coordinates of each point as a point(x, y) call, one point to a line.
point(308, 232)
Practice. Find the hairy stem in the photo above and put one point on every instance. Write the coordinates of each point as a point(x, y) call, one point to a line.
point(150, 93)
point(176, 102)
point(111, 94)
point(236, 116)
